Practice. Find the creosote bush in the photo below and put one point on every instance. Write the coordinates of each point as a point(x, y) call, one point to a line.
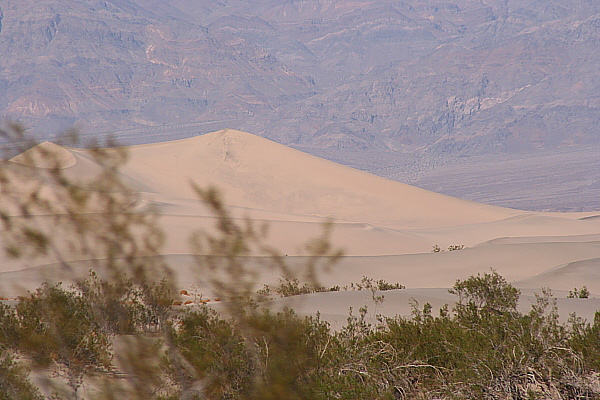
point(454, 247)
point(205, 354)
point(582, 293)
point(486, 293)
point(291, 287)
point(367, 283)
point(13, 380)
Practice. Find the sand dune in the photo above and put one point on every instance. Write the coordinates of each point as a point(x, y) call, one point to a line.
point(334, 306)
point(38, 156)
point(568, 276)
point(387, 228)
point(514, 262)
point(543, 239)
point(257, 173)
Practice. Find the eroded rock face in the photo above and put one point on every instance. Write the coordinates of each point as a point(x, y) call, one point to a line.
point(418, 76)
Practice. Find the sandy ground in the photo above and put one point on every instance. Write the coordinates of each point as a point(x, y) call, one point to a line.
point(386, 228)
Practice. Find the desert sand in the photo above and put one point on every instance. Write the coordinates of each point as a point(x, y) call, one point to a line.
point(386, 228)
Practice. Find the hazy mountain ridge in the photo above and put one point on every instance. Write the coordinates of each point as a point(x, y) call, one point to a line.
point(116, 66)
point(416, 76)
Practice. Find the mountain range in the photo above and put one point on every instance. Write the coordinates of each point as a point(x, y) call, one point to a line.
point(457, 77)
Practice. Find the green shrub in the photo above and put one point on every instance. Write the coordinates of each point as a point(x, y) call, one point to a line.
point(269, 356)
point(9, 334)
point(216, 351)
point(585, 341)
point(58, 325)
point(488, 293)
point(582, 293)
point(13, 381)
point(367, 283)
point(291, 287)
point(123, 307)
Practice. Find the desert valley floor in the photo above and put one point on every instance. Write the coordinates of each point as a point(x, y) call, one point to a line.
point(387, 229)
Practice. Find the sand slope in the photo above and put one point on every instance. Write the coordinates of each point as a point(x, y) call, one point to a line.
point(387, 228)
point(258, 173)
point(46, 155)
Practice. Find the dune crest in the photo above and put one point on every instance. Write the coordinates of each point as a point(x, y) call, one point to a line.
point(46, 155)
point(257, 173)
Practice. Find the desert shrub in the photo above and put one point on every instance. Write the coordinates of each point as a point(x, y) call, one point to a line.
point(216, 351)
point(484, 349)
point(272, 356)
point(56, 326)
point(582, 293)
point(484, 294)
point(585, 340)
point(289, 353)
point(13, 380)
point(453, 247)
point(357, 364)
point(521, 353)
point(123, 307)
point(384, 285)
point(9, 334)
point(89, 218)
point(291, 287)
point(367, 283)
point(495, 352)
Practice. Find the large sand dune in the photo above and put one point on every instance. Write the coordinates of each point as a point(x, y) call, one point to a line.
point(387, 228)
point(257, 173)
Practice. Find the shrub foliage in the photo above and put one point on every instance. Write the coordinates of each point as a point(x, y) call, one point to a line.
point(467, 352)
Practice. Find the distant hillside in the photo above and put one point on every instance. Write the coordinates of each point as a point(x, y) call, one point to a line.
point(435, 77)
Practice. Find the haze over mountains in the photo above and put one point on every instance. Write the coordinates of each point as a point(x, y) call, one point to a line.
point(432, 77)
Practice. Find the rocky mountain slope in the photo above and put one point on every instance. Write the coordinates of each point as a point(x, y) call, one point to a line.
point(459, 77)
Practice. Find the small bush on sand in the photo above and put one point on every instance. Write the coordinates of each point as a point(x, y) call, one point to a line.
point(582, 293)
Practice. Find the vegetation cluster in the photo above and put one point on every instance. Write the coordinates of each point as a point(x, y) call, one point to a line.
point(291, 287)
point(453, 247)
point(480, 348)
point(582, 293)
